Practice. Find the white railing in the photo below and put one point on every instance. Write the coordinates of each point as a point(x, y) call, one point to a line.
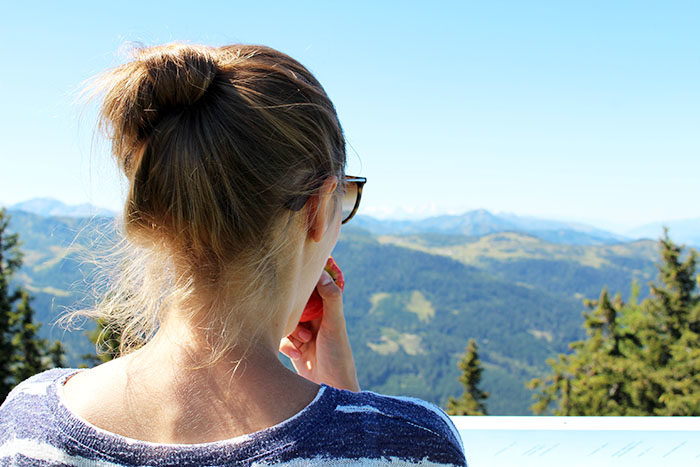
point(494, 441)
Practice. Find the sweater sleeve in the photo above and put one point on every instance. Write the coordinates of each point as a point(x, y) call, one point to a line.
point(399, 430)
point(27, 434)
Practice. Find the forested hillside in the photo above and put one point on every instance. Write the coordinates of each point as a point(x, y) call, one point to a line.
point(412, 302)
point(562, 269)
point(58, 269)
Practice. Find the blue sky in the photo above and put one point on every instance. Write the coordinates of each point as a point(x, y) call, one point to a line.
point(573, 110)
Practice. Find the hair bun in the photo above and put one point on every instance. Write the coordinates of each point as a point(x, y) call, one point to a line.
point(177, 75)
point(158, 83)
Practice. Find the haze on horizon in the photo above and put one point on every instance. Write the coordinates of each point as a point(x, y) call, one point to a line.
point(686, 231)
point(586, 112)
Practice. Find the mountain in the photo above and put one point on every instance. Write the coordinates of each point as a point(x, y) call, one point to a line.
point(410, 315)
point(482, 222)
point(685, 231)
point(52, 207)
point(569, 271)
point(474, 223)
point(412, 301)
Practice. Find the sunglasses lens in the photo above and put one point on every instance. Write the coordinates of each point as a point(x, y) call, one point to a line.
point(349, 199)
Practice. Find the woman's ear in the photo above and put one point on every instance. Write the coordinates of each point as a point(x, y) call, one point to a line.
point(320, 209)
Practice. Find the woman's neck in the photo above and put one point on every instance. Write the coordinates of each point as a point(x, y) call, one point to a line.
point(169, 392)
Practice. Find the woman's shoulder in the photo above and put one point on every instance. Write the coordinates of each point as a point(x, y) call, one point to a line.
point(27, 414)
point(33, 390)
point(417, 412)
point(410, 428)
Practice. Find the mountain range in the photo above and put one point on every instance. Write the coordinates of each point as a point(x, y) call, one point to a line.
point(482, 222)
point(416, 292)
point(53, 207)
point(472, 223)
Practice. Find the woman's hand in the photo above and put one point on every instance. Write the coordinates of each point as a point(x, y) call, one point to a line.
point(320, 349)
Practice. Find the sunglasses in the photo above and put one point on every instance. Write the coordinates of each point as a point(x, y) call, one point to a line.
point(350, 201)
point(352, 196)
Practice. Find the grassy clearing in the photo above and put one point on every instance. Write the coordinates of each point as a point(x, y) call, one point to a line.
point(384, 347)
point(420, 305)
point(392, 340)
point(376, 298)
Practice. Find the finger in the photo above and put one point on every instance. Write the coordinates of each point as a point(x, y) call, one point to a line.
point(328, 289)
point(296, 342)
point(302, 334)
point(289, 349)
point(332, 297)
point(303, 331)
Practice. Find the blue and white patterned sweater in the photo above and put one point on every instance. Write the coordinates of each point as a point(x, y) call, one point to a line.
point(336, 428)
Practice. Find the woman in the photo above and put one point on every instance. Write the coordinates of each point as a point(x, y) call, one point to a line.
point(237, 189)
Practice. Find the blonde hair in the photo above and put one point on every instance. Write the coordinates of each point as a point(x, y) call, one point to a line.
point(216, 145)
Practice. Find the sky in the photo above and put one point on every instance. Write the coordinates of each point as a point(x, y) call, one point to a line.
point(586, 111)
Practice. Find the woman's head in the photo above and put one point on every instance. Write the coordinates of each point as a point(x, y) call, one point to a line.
point(221, 148)
point(216, 143)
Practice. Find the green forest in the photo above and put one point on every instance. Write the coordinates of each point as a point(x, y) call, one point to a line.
point(23, 352)
point(544, 332)
point(638, 358)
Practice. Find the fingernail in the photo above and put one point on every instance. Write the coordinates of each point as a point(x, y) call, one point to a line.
point(304, 334)
point(325, 278)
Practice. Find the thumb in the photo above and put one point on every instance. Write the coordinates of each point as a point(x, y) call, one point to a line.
point(328, 289)
point(332, 297)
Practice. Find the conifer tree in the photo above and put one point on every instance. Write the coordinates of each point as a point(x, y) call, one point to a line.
point(57, 355)
point(638, 358)
point(672, 328)
point(592, 379)
point(29, 349)
point(10, 262)
point(472, 401)
point(22, 352)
